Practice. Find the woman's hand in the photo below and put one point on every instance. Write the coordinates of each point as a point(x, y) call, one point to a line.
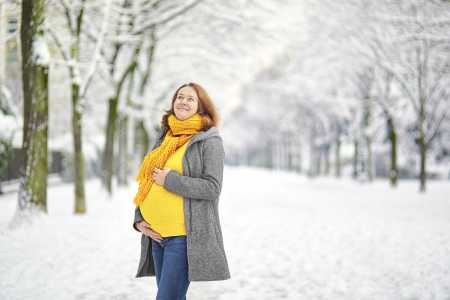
point(144, 227)
point(159, 175)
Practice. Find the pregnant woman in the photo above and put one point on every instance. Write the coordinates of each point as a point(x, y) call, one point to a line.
point(177, 202)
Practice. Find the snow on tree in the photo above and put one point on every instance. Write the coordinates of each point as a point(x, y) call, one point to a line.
point(409, 40)
point(36, 57)
point(365, 66)
point(74, 14)
point(141, 57)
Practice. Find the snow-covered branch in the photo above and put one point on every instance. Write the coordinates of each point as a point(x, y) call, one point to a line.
point(66, 55)
point(97, 50)
point(160, 20)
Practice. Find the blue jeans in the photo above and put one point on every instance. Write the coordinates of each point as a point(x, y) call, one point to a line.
point(171, 267)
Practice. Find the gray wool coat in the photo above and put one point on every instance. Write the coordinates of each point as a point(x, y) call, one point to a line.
point(200, 186)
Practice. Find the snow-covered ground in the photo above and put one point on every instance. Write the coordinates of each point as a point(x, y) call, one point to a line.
point(286, 237)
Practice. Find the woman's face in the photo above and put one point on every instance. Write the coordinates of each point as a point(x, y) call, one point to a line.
point(186, 103)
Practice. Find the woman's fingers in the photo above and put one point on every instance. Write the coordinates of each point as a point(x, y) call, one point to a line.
point(157, 239)
point(154, 235)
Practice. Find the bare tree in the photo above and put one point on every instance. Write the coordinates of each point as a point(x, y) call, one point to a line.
point(69, 46)
point(410, 41)
point(35, 60)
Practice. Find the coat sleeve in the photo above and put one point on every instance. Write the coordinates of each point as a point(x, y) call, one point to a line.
point(209, 185)
point(137, 218)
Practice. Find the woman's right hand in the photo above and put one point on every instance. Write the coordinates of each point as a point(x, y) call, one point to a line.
point(144, 227)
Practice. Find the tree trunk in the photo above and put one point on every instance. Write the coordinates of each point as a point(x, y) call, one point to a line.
point(141, 144)
point(280, 152)
point(318, 160)
point(369, 159)
point(78, 166)
point(393, 174)
point(290, 154)
point(248, 156)
point(262, 154)
point(312, 158)
point(269, 155)
point(123, 150)
point(108, 158)
point(355, 160)
point(338, 156)
point(33, 168)
point(299, 157)
point(422, 145)
point(423, 155)
point(327, 160)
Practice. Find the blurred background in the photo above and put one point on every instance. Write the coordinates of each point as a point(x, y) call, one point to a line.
point(323, 95)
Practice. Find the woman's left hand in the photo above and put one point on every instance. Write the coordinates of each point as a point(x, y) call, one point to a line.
point(159, 175)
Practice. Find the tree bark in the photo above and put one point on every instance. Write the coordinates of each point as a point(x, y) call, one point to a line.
point(369, 159)
point(34, 169)
point(355, 160)
point(327, 160)
point(423, 155)
point(422, 99)
point(393, 173)
point(78, 166)
point(123, 150)
point(368, 163)
point(141, 142)
point(108, 156)
point(312, 158)
point(109, 145)
point(290, 154)
point(338, 155)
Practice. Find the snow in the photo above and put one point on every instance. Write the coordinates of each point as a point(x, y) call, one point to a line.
point(40, 51)
point(286, 237)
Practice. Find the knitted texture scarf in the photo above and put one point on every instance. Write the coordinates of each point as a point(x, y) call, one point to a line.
point(158, 157)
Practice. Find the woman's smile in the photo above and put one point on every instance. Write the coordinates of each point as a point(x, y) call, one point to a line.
point(186, 103)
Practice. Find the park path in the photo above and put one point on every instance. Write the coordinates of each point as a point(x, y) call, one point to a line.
point(286, 237)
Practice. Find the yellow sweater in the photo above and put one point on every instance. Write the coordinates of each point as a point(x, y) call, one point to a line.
point(162, 209)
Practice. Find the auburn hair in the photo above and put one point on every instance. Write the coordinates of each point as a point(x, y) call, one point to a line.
point(206, 108)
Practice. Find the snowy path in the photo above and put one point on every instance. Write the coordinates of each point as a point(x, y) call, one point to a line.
point(286, 237)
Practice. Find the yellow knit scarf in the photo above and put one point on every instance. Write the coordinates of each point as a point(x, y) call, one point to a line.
point(158, 157)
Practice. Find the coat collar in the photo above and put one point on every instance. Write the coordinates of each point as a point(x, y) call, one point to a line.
point(202, 135)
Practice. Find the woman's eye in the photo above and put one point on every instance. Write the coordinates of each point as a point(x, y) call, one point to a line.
point(191, 99)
